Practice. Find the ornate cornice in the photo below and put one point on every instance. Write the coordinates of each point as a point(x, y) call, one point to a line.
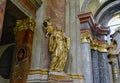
point(87, 18)
point(101, 30)
point(99, 44)
point(96, 29)
point(85, 35)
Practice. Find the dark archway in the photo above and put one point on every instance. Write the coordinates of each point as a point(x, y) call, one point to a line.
point(12, 13)
point(107, 12)
point(6, 61)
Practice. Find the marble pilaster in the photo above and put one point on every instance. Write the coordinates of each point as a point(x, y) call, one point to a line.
point(24, 31)
point(86, 59)
point(114, 62)
point(74, 65)
point(40, 58)
point(95, 66)
point(115, 69)
point(103, 67)
point(86, 39)
point(99, 61)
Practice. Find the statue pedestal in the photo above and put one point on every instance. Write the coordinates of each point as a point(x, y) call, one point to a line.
point(59, 77)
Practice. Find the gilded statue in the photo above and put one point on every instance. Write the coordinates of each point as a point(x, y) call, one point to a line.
point(59, 45)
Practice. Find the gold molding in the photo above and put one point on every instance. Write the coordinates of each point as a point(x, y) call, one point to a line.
point(102, 47)
point(85, 36)
point(59, 77)
point(99, 45)
point(25, 24)
point(94, 44)
point(38, 71)
point(76, 76)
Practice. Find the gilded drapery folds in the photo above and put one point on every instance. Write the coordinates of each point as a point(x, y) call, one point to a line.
point(59, 45)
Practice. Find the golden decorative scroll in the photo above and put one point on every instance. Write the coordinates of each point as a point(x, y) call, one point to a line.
point(25, 24)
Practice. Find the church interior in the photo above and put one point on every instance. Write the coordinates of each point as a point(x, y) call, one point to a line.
point(59, 41)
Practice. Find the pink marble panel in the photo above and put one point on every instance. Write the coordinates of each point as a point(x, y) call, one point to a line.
point(56, 9)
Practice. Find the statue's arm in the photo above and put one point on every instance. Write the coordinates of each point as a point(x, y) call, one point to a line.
point(52, 43)
point(67, 43)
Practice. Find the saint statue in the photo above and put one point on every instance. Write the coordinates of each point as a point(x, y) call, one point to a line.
point(59, 45)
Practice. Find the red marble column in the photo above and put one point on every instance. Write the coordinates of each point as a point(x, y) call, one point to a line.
point(23, 51)
point(2, 11)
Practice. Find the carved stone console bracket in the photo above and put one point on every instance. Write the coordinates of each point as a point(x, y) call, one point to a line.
point(96, 29)
point(90, 30)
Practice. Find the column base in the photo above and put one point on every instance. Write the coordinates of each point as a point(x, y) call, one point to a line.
point(37, 78)
point(77, 78)
point(59, 77)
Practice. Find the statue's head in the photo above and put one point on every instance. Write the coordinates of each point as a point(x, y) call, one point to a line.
point(48, 22)
point(48, 26)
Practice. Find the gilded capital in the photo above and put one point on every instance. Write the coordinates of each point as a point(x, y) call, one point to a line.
point(85, 36)
point(25, 24)
point(94, 44)
point(100, 45)
point(76, 76)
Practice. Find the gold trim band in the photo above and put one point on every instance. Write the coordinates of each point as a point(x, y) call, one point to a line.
point(38, 71)
point(76, 76)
